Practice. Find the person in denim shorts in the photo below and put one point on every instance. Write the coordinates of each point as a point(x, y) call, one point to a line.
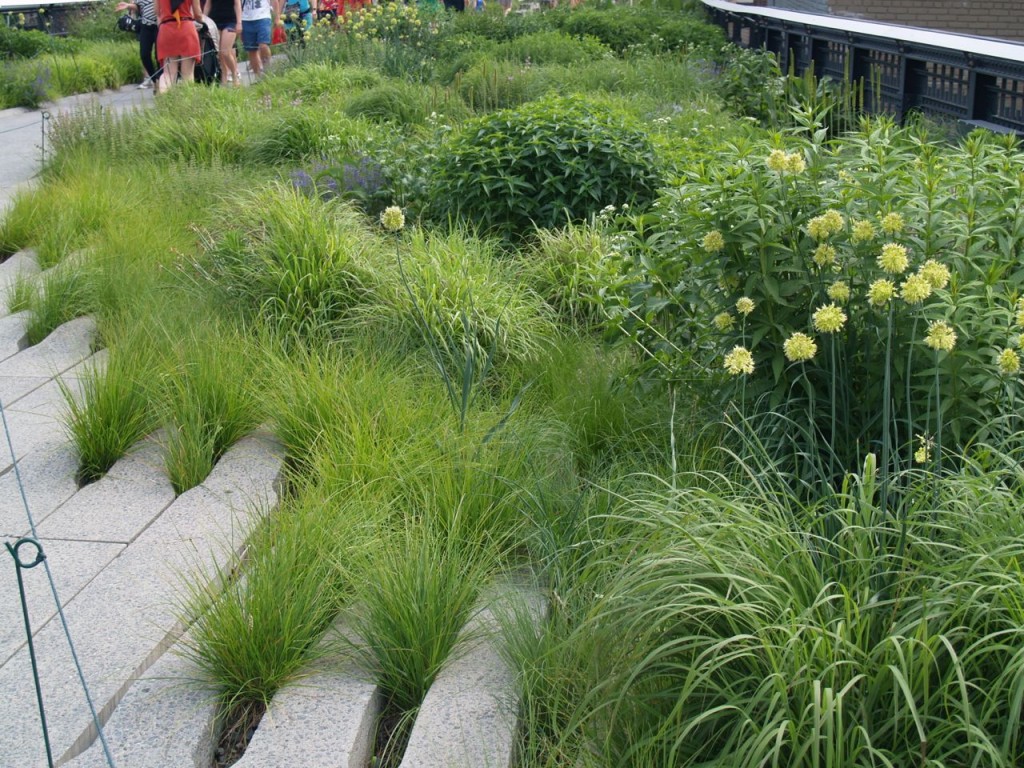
point(258, 20)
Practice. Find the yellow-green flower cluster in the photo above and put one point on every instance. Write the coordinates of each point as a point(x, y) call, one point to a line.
point(827, 224)
point(940, 336)
point(785, 162)
point(713, 241)
point(1020, 312)
point(915, 289)
point(392, 218)
point(724, 321)
point(738, 361)
point(893, 259)
point(1009, 362)
point(745, 305)
point(828, 319)
point(892, 224)
point(386, 21)
point(881, 292)
point(924, 449)
point(824, 255)
point(861, 231)
point(839, 291)
point(935, 273)
point(799, 347)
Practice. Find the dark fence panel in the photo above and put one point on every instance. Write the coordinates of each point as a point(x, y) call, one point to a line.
point(975, 80)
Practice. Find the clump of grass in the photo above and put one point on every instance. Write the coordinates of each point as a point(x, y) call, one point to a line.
point(261, 624)
point(745, 628)
point(422, 592)
point(456, 284)
point(111, 414)
point(60, 295)
point(301, 263)
point(209, 404)
point(21, 292)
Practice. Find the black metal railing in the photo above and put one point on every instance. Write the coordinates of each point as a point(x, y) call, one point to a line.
point(976, 80)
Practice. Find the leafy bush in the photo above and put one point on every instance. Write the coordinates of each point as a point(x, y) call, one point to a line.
point(554, 160)
point(552, 47)
point(868, 292)
point(30, 43)
point(624, 28)
point(750, 81)
point(493, 25)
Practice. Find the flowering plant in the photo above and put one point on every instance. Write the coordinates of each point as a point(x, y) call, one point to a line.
point(879, 275)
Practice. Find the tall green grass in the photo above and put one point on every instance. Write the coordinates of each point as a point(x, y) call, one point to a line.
point(736, 633)
point(113, 412)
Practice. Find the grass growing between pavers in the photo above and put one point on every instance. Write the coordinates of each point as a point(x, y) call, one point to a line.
point(450, 406)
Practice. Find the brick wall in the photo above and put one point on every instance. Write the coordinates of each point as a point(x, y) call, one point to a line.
point(989, 18)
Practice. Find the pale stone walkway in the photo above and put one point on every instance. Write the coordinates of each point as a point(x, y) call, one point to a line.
point(117, 548)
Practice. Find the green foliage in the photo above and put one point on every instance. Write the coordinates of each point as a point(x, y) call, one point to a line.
point(566, 267)
point(623, 29)
point(395, 102)
point(299, 263)
point(802, 232)
point(750, 82)
point(739, 634)
point(262, 625)
point(112, 413)
point(498, 84)
point(209, 404)
point(96, 21)
point(30, 43)
point(92, 67)
point(456, 292)
point(551, 47)
point(543, 164)
point(62, 295)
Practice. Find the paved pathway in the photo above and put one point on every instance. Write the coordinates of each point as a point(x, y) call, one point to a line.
point(21, 134)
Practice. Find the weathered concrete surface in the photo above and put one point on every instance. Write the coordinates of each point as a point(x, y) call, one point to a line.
point(325, 719)
point(468, 717)
point(165, 720)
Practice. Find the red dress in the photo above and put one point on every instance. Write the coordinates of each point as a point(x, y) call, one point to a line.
point(177, 36)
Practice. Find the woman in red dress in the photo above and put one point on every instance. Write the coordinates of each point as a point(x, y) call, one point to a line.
point(177, 42)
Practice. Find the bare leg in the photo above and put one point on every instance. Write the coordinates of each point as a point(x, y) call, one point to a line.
point(170, 75)
point(255, 63)
point(228, 63)
point(265, 54)
point(188, 68)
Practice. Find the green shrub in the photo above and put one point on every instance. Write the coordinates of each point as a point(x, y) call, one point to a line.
point(908, 305)
point(750, 82)
point(30, 43)
point(543, 164)
point(552, 47)
point(493, 25)
point(622, 29)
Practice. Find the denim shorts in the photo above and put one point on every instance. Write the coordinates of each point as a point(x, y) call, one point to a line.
point(255, 33)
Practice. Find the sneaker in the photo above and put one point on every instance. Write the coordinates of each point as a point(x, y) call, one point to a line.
point(147, 83)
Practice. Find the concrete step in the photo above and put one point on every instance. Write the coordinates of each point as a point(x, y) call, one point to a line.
point(31, 368)
point(468, 717)
point(165, 720)
point(13, 334)
point(326, 718)
point(126, 617)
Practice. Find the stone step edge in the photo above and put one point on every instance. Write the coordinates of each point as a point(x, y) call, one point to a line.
point(90, 735)
point(469, 717)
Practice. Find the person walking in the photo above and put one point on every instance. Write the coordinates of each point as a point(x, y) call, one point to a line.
point(259, 17)
point(227, 15)
point(145, 10)
point(177, 42)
